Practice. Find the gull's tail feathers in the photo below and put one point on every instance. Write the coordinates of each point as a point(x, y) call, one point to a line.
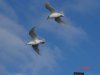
point(62, 12)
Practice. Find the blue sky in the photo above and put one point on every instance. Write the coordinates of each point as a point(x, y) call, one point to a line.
point(67, 47)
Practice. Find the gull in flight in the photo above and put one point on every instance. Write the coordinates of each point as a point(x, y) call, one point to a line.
point(35, 41)
point(56, 15)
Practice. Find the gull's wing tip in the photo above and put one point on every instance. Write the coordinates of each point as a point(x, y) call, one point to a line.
point(49, 7)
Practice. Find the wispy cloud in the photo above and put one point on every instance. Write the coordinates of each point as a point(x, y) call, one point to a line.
point(17, 55)
point(13, 27)
point(46, 63)
point(3, 70)
point(82, 6)
point(7, 10)
point(69, 33)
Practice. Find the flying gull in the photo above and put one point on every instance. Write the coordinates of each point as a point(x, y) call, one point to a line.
point(35, 41)
point(53, 14)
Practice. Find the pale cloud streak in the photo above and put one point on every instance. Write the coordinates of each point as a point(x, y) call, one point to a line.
point(82, 6)
point(6, 9)
point(14, 50)
point(69, 33)
point(15, 53)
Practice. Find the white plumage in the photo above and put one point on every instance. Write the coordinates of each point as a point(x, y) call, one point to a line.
point(35, 41)
point(53, 14)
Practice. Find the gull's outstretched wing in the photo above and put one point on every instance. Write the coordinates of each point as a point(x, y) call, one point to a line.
point(49, 7)
point(35, 47)
point(32, 33)
point(59, 20)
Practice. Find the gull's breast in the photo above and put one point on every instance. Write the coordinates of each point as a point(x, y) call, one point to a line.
point(54, 15)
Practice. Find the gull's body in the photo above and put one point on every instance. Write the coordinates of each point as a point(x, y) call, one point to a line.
point(53, 14)
point(35, 41)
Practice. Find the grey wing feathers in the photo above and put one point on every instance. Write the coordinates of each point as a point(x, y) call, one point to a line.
point(59, 20)
point(35, 47)
point(49, 7)
point(32, 33)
